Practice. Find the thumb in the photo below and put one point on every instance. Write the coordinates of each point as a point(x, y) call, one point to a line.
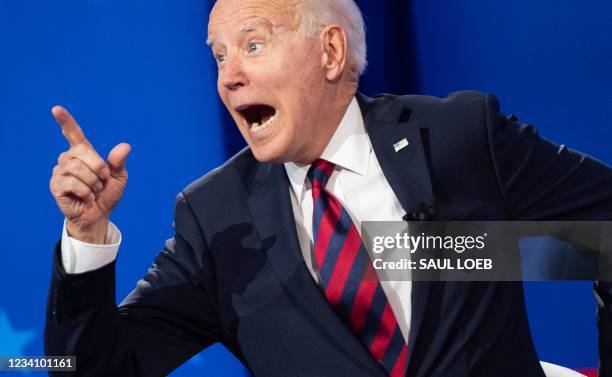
point(117, 157)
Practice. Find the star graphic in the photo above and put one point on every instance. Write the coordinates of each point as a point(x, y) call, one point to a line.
point(197, 360)
point(13, 341)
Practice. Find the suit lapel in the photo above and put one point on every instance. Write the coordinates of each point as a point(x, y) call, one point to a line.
point(272, 212)
point(387, 122)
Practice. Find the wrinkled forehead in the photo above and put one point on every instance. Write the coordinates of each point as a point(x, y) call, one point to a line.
point(240, 13)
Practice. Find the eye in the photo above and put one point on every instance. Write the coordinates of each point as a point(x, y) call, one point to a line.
point(254, 47)
point(219, 58)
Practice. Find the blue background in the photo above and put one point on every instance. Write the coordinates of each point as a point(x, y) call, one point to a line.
point(139, 71)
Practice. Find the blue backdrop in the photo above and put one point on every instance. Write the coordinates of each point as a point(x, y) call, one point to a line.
point(139, 71)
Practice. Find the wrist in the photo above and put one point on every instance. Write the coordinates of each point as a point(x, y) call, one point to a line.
point(94, 233)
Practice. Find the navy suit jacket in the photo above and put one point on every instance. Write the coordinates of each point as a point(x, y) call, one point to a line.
point(234, 272)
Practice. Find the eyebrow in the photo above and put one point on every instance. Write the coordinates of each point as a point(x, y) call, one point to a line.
point(250, 27)
point(254, 26)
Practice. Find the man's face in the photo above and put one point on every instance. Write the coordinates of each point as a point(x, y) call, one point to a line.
point(270, 76)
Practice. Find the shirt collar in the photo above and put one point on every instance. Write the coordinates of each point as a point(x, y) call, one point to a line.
point(349, 148)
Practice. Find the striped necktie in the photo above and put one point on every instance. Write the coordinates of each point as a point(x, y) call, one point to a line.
point(348, 278)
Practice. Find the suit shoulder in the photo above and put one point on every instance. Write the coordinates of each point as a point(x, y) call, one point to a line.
point(466, 99)
point(230, 174)
point(459, 111)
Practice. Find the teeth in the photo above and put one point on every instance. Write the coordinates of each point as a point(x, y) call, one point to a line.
point(256, 127)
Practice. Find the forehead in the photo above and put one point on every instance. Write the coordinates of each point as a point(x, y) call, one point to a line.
point(246, 13)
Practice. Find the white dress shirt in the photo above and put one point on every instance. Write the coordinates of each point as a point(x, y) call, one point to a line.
point(358, 183)
point(79, 256)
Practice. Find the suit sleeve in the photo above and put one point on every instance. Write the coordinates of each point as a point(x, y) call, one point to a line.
point(541, 180)
point(169, 317)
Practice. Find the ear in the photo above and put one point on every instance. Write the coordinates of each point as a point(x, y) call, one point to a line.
point(334, 51)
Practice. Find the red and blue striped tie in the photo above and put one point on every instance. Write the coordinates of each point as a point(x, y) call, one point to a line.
point(348, 278)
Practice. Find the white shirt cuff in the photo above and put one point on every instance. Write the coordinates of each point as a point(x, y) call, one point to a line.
point(79, 257)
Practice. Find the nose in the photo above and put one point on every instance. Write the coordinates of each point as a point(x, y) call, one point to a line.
point(233, 75)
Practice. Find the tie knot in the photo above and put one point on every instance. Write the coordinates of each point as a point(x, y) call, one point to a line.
point(319, 173)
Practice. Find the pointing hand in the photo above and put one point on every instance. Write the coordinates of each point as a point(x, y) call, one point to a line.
point(87, 188)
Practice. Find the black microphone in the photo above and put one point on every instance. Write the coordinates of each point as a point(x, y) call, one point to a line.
point(424, 213)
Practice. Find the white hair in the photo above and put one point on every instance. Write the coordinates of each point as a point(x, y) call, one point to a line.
point(316, 14)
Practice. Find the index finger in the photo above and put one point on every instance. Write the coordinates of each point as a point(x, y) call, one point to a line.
point(70, 128)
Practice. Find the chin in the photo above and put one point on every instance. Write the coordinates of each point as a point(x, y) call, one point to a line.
point(276, 149)
point(264, 154)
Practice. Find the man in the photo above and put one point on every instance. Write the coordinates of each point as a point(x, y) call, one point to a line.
point(266, 258)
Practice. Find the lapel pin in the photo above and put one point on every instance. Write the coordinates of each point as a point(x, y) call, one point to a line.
point(400, 145)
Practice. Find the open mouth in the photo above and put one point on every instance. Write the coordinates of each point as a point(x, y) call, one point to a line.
point(258, 117)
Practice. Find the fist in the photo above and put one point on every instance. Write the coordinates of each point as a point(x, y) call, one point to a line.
point(84, 185)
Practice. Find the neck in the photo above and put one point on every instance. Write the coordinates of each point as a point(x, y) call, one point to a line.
point(335, 111)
